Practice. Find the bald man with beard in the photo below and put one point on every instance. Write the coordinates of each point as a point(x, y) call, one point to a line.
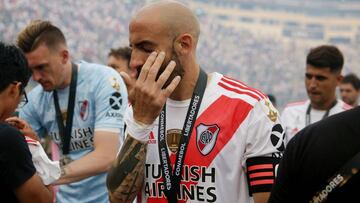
point(191, 136)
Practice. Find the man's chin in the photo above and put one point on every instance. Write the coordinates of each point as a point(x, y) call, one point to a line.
point(315, 98)
point(47, 87)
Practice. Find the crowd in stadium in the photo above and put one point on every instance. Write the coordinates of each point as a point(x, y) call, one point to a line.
point(257, 60)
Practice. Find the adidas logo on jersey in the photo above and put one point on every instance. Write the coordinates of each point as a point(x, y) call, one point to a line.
point(152, 139)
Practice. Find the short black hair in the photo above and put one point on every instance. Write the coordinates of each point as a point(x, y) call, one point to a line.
point(121, 52)
point(353, 80)
point(13, 66)
point(326, 56)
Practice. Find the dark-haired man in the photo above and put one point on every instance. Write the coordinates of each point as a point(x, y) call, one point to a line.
point(19, 181)
point(119, 59)
point(350, 90)
point(322, 76)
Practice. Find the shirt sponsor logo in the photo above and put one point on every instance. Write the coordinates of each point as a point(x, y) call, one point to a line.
point(113, 114)
point(84, 109)
point(190, 186)
point(81, 138)
point(206, 136)
point(115, 101)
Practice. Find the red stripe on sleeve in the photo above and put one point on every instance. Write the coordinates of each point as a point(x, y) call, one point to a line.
point(241, 85)
point(262, 182)
point(261, 174)
point(260, 166)
point(238, 91)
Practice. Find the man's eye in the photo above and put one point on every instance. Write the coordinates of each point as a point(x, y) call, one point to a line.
point(40, 67)
point(113, 66)
point(320, 78)
point(148, 50)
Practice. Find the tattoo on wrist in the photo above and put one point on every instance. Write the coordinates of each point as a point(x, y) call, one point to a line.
point(126, 176)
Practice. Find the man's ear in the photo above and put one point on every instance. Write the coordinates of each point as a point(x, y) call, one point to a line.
point(13, 90)
point(184, 44)
point(65, 56)
point(339, 78)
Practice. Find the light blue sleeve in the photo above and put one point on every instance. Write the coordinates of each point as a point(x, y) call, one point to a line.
point(30, 115)
point(111, 101)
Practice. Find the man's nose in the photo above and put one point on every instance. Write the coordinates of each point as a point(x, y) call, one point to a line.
point(36, 76)
point(136, 62)
point(313, 82)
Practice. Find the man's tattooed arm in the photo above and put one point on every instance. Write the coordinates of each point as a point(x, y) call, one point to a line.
point(126, 175)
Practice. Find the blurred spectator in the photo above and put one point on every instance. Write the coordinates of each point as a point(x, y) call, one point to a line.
point(323, 74)
point(350, 90)
point(19, 180)
point(119, 59)
point(79, 105)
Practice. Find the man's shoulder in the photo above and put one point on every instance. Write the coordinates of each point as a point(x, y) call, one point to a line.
point(96, 74)
point(342, 119)
point(297, 104)
point(296, 107)
point(36, 91)
point(38, 97)
point(6, 128)
point(10, 135)
point(334, 125)
point(342, 106)
point(94, 69)
point(236, 89)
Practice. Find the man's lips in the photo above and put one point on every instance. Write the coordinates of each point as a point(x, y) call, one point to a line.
point(314, 93)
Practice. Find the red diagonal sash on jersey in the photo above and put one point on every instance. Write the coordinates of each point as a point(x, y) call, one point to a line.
point(219, 112)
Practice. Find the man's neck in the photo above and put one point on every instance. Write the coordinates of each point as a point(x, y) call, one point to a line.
point(67, 78)
point(355, 104)
point(187, 85)
point(4, 100)
point(325, 106)
point(2, 119)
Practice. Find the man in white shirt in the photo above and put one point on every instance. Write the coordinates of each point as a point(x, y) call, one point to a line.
point(322, 76)
point(350, 90)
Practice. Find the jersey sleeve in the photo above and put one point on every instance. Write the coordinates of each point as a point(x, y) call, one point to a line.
point(282, 189)
point(285, 118)
point(110, 101)
point(264, 146)
point(29, 114)
point(16, 162)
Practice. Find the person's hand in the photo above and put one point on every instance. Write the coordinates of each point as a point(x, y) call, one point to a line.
point(23, 127)
point(129, 82)
point(147, 94)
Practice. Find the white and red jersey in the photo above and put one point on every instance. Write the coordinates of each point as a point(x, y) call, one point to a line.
point(233, 149)
point(294, 116)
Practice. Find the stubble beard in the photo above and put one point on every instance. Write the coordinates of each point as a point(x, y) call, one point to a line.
point(178, 70)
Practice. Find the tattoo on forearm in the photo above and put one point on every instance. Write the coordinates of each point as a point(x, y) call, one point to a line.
point(126, 176)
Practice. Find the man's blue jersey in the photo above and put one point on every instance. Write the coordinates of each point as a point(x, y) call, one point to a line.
point(101, 100)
